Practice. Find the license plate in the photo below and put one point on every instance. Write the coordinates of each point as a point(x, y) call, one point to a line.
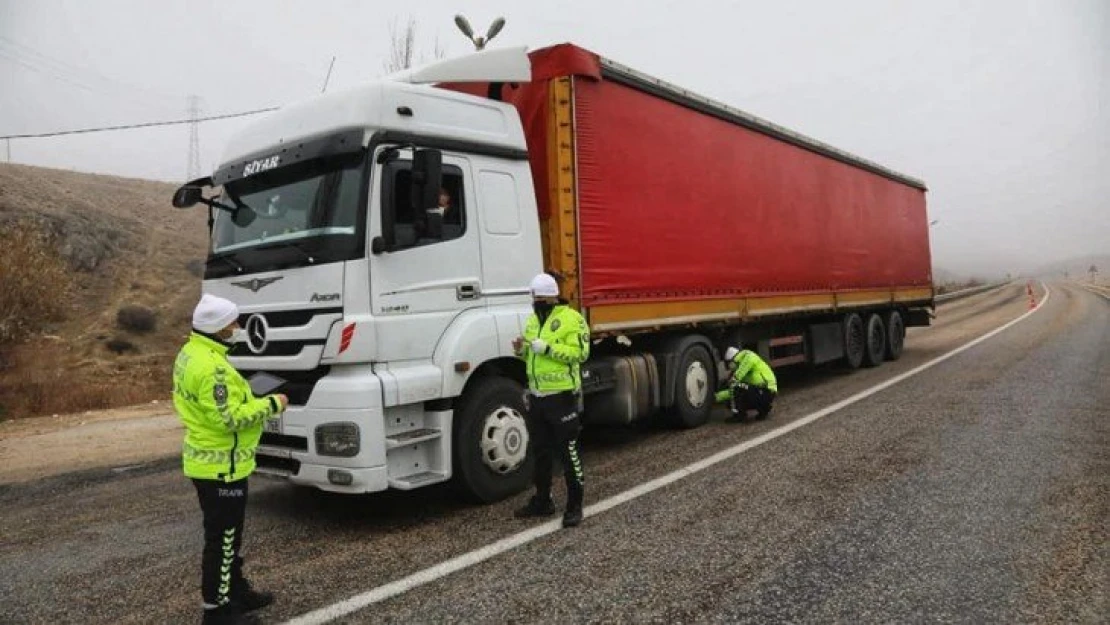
point(272, 426)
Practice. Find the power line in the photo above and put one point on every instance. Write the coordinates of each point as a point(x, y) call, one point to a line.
point(174, 122)
point(76, 75)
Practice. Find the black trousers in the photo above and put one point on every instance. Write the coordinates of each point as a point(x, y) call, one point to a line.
point(553, 428)
point(746, 397)
point(224, 505)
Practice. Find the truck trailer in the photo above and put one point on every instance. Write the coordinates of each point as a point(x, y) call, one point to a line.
point(675, 224)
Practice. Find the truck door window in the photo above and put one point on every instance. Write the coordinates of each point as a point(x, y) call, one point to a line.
point(412, 227)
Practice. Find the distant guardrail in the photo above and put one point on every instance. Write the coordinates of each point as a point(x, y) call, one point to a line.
point(975, 290)
point(1097, 289)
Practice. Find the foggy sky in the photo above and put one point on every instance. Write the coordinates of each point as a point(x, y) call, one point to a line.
point(1002, 107)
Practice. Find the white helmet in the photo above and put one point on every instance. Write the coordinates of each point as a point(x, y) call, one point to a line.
point(543, 285)
point(731, 353)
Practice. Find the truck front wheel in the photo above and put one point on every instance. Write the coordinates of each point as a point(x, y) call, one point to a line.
point(491, 459)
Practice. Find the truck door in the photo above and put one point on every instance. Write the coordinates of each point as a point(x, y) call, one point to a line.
point(433, 270)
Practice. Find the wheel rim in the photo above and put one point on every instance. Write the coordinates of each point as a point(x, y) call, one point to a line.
point(504, 440)
point(697, 384)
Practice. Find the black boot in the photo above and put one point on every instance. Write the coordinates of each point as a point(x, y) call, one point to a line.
point(250, 599)
point(228, 614)
point(537, 507)
point(573, 515)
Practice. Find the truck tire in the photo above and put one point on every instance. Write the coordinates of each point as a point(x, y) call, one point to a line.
point(895, 335)
point(855, 341)
point(490, 442)
point(695, 380)
point(876, 341)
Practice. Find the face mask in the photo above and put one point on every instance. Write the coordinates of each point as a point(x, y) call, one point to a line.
point(542, 309)
point(238, 335)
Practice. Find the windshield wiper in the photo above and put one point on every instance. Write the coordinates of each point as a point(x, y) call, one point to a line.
point(292, 245)
point(227, 259)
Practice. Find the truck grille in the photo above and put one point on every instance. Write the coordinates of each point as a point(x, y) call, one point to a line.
point(285, 465)
point(290, 318)
point(275, 348)
point(296, 443)
point(298, 384)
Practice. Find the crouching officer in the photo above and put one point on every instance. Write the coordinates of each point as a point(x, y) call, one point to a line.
point(223, 423)
point(751, 384)
point(556, 342)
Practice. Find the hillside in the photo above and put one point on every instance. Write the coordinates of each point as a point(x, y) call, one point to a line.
point(1078, 268)
point(78, 248)
point(947, 281)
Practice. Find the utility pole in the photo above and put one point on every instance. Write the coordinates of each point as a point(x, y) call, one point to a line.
point(193, 170)
point(9, 142)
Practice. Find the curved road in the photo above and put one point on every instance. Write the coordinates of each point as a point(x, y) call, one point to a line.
point(975, 491)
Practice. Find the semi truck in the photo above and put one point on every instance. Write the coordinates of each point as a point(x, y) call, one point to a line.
point(380, 241)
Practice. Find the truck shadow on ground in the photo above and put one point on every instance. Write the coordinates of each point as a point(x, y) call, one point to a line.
point(387, 511)
point(399, 510)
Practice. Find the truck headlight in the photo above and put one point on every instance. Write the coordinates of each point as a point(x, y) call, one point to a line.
point(337, 439)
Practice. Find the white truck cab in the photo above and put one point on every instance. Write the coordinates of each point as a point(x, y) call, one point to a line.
point(383, 311)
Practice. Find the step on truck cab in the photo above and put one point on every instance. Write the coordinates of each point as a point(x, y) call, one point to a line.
point(379, 242)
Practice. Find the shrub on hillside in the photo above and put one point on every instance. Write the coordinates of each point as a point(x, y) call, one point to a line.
point(137, 319)
point(85, 241)
point(120, 346)
point(35, 283)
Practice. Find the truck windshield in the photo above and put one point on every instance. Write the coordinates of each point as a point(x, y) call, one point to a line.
point(315, 199)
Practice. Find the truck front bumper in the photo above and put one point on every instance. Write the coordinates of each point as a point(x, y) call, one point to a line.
point(289, 444)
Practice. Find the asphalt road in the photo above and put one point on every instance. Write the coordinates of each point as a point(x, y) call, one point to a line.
point(976, 491)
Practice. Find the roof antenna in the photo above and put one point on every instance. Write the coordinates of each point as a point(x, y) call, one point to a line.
point(328, 77)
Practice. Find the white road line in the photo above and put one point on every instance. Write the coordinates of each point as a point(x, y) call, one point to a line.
point(469, 559)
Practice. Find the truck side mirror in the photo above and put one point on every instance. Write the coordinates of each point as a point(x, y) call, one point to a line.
point(186, 196)
point(427, 178)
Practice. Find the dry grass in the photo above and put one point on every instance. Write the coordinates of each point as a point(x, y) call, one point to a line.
point(122, 244)
point(35, 284)
point(36, 390)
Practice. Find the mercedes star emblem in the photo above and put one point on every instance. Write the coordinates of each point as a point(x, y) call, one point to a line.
point(257, 329)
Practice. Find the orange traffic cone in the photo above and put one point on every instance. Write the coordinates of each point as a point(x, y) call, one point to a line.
point(1032, 299)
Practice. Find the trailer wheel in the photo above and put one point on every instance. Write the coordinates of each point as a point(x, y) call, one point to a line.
point(895, 335)
point(694, 384)
point(876, 341)
point(855, 341)
point(491, 456)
